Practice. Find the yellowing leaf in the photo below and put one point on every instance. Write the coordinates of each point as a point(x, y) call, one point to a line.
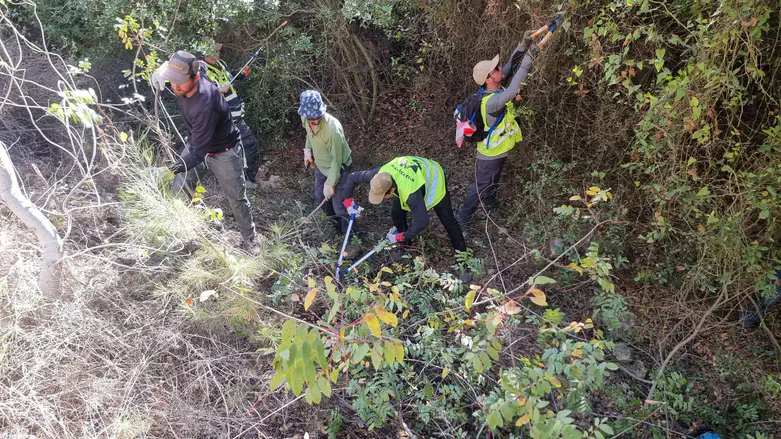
point(188, 301)
point(555, 381)
point(496, 319)
point(373, 287)
point(522, 401)
point(386, 270)
point(329, 286)
point(445, 371)
point(310, 296)
point(575, 267)
point(399, 352)
point(374, 324)
point(470, 299)
point(538, 297)
point(525, 419)
point(386, 316)
point(510, 308)
point(311, 282)
point(593, 190)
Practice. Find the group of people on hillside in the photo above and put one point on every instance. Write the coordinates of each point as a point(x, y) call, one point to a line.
point(221, 141)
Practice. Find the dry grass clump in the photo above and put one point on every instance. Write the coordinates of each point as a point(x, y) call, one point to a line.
point(111, 361)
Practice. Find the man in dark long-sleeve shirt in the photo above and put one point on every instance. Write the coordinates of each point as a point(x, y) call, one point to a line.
point(213, 138)
point(414, 184)
point(497, 105)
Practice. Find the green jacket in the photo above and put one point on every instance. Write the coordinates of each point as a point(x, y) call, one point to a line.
point(329, 147)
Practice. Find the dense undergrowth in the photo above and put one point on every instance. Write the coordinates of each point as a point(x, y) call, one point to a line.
point(638, 214)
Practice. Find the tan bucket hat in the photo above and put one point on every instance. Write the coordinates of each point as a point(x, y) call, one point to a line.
point(379, 186)
point(484, 68)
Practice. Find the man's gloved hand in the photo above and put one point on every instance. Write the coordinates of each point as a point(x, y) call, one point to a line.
point(245, 71)
point(308, 157)
point(224, 87)
point(534, 51)
point(157, 81)
point(526, 41)
point(177, 167)
point(328, 191)
point(352, 208)
point(394, 236)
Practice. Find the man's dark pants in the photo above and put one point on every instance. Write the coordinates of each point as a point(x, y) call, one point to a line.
point(484, 188)
point(227, 167)
point(444, 211)
point(335, 209)
point(251, 149)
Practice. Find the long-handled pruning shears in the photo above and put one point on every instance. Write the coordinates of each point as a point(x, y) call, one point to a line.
point(550, 28)
point(344, 245)
point(259, 51)
point(382, 244)
point(552, 25)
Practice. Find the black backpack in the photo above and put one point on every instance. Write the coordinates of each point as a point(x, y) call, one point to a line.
point(470, 110)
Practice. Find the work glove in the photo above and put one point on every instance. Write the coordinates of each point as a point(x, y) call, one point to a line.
point(352, 208)
point(526, 41)
point(177, 167)
point(394, 236)
point(157, 81)
point(328, 191)
point(308, 158)
point(245, 71)
point(534, 51)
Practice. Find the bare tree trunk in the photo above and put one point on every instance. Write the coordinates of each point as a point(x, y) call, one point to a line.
point(31, 216)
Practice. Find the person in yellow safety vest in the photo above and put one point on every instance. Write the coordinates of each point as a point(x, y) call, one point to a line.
point(413, 184)
point(218, 72)
point(497, 105)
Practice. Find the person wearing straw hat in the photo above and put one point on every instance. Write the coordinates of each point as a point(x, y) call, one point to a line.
point(413, 184)
point(496, 110)
point(219, 73)
point(327, 149)
point(213, 139)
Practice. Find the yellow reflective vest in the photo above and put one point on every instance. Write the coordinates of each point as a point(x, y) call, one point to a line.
point(221, 77)
point(410, 173)
point(506, 134)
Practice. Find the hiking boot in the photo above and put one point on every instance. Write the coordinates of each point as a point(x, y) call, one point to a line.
point(465, 276)
point(463, 220)
point(352, 251)
point(491, 205)
point(396, 254)
point(251, 246)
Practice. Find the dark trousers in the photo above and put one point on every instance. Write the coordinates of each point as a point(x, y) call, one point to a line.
point(335, 209)
point(484, 188)
point(444, 211)
point(251, 150)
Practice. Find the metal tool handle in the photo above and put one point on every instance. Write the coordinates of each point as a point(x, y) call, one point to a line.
point(545, 40)
point(539, 31)
point(365, 257)
point(344, 245)
point(257, 52)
